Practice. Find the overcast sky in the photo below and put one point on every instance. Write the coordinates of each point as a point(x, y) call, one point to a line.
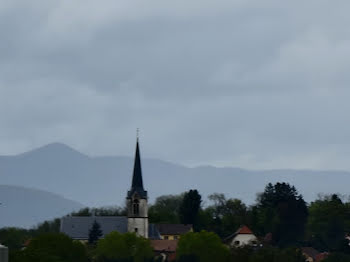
point(248, 83)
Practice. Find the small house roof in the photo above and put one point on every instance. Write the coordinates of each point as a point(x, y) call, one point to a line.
point(242, 230)
point(164, 245)
point(321, 256)
point(310, 251)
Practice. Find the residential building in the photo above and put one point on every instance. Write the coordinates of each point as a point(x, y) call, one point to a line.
point(173, 231)
point(242, 237)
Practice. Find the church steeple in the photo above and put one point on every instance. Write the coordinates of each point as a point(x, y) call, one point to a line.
point(137, 183)
point(137, 200)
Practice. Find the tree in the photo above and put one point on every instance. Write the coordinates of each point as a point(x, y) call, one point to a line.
point(117, 247)
point(53, 247)
point(103, 211)
point(337, 257)
point(328, 221)
point(275, 254)
point(52, 226)
point(190, 207)
point(283, 212)
point(226, 215)
point(202, 247)
point(14, 238)
point(166, 209)
point(95, 233)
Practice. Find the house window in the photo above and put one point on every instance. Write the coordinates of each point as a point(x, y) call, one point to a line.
point(166, 237)
point(236, 243)
point(176, 237)
point(136, 208)
point(136, 230)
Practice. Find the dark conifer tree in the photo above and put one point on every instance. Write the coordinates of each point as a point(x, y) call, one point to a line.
point(190, 207)
point(95, 233)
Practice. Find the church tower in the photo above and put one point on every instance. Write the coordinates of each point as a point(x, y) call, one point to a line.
point(137, 200)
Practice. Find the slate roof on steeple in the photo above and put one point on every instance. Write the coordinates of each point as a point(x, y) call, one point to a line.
point(137, 183)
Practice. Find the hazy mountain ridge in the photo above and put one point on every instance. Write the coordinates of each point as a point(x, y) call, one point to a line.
point(97, 181)
point(26, 207)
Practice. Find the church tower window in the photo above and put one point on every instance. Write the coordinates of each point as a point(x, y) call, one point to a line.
point(136, 207)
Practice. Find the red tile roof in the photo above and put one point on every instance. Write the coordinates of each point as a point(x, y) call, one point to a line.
point(164, 245)
point(244, 230)
point(321, 256)
point(310, 252)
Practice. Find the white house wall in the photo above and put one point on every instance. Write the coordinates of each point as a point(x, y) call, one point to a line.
point(244, 239)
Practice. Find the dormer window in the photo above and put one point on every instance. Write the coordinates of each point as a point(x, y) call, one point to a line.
point(136, 207)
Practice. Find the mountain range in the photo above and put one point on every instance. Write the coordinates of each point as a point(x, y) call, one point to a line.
point(26, 207)
point(103, 181)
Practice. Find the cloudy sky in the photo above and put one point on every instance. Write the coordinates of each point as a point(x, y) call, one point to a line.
point(249, 83)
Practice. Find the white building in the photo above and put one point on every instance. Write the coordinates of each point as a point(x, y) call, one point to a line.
point(242, 237)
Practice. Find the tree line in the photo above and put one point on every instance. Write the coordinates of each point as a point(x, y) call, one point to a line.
point(280, 217)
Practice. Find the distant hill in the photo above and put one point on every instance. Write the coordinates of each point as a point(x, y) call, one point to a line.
point(97, 181)
point(24, 207)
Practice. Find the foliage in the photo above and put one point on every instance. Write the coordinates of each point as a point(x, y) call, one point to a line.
point(102, 211)
point(52, 226)
point(266, 254)
point(166, 209)
point(117, 247)
point(202, 247)
point(52, 247)
point(224, 216)
point(337, 257)
point(329, 219)
point(283, 212)
point(190, 207)
point(14, 238)
point(95, 233)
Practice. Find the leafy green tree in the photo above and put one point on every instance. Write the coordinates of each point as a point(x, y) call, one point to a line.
point(202, 247)
point(337, 257)
point(225, 215)
point(271, 254)
point(242, 253)
point(166, 209)
point(102, 211)
point(190, 208)
point(84, 212)
point(52, 226)
point(53, 247)
point(283, 212)
point(14, 238)
point(116, 247)
point(328, 221)
point(95, 233)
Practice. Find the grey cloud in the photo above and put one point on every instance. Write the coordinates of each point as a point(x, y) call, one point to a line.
point(247, 83)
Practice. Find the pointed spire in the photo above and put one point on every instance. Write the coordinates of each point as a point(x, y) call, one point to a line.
point(137, 183)
point(137, 176)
